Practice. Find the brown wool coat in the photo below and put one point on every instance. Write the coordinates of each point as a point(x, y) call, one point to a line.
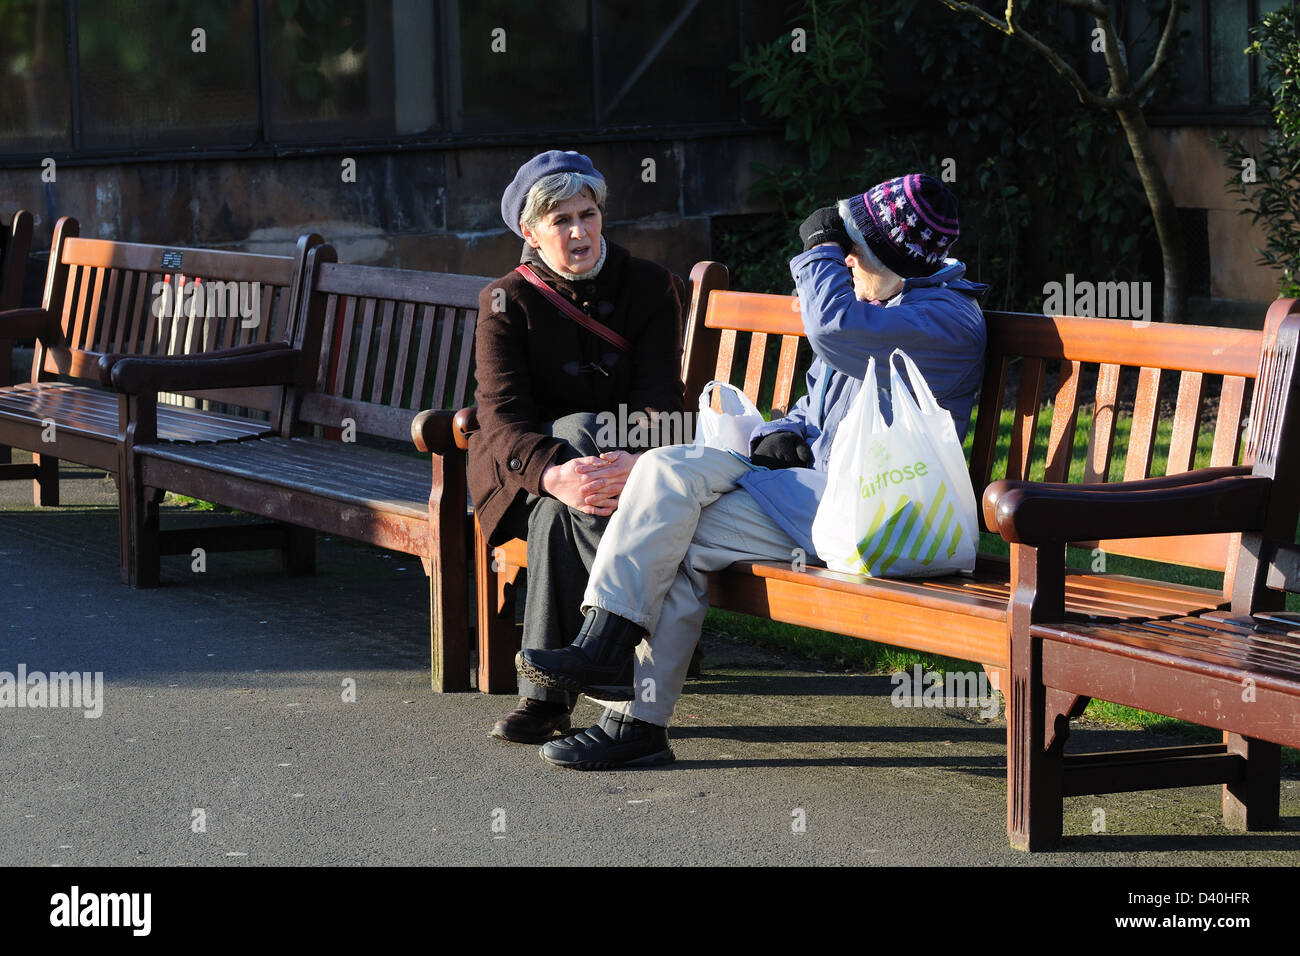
point(529, 365)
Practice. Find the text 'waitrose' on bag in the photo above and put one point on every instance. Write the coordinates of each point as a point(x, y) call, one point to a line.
point(869, 485)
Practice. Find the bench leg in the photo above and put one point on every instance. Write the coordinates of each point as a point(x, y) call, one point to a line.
point(45, 486)
point(1035, 774)
point(498, 637)
point(1254, 803)
point(298, 558)
point(139, 533)
point(448, 588)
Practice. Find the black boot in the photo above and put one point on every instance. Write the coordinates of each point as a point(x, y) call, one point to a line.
point(617, 740)
point(599, 663)
point(533, 721)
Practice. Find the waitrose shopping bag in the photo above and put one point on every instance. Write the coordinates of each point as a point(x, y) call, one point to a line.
point(898, 501)
point(729, 429)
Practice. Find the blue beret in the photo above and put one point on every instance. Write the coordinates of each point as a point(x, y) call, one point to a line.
point(539, 167)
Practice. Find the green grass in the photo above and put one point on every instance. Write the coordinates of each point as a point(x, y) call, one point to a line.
point(853, 654)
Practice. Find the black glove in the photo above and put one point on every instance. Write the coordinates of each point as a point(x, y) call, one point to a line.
point(782, 450)
point(825, 225)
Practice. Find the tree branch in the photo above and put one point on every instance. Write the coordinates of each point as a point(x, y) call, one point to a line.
point(1013, 29)
point(1164, 49)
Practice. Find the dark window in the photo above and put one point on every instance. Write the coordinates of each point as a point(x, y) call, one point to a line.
point(34, 101)
point(141, 83)
point(94, 79)
point(350, 69)
point(521, 66)
point(667, 62)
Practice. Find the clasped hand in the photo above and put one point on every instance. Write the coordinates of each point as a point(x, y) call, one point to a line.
point(591, 485)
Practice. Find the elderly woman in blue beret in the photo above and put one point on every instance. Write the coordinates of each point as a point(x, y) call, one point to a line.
point(580, 335)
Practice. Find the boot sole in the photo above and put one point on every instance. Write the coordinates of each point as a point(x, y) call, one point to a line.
point(662, 757)
point(565, 682)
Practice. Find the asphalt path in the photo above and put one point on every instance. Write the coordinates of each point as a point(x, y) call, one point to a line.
point(228, 737)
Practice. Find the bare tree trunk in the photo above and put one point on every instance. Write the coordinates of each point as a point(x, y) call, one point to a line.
point(1173, 251)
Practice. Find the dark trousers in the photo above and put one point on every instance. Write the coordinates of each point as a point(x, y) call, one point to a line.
point(561, 547)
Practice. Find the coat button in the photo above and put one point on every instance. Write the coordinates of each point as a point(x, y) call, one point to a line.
point(515, 464)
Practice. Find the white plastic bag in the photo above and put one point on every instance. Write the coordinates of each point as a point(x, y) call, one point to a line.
point(898, 501)
point(729, 429)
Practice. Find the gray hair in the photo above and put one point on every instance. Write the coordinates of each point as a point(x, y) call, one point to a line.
point(870, 261)
point(549, 191)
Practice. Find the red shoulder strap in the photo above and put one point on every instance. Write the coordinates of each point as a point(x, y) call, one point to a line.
point(570, 310)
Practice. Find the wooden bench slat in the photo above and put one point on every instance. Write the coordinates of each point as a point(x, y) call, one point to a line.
point(1227, 429)
point(1137, 644)
point(781, 392)
point(1065, 417)
point(428, 320)
point(1024, 432)
point(206, 263)
point(754, 367)
point(461, 395)
point(1142, 435)
point(1184, 649)
point(395, 397)
point(345, 336)
point(363, 348)
point(987, 422)
point(447, 331)
point(1102, 443)
point(92, 319)
point(1187, 417)
point(381, 360)
point(726, 355)
point(400, 486)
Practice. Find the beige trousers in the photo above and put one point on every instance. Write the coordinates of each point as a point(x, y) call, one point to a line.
point(681, 515)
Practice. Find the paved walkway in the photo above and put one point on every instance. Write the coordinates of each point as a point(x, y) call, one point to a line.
point(225, 739)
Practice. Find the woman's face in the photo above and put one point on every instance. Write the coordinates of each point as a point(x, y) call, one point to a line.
point(869, 286)
point(569, 235)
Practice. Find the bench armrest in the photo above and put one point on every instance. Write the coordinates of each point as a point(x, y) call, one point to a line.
point(30, 324)
point(1207, 501)
point(273, 363)
point(465, 425)
point(431, 431)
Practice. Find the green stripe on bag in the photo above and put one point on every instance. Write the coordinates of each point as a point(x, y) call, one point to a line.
point(923, 535)
point(913, 512)
point(901, 508)
point(938, 535)
point(956, 537)
point(866, 541)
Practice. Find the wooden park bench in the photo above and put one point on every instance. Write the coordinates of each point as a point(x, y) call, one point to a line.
point(1236, 669)
point(104, 300)
point(376, 355)
point(963, 617)
point(15, 247)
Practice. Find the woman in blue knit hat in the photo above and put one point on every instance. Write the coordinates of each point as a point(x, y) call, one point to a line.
point(582, 333)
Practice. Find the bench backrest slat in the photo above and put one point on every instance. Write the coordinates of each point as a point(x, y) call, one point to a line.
point(1142, 436)
point(1065, 416)
point(1101, 443)
point(1026, 419)
point(379, 327)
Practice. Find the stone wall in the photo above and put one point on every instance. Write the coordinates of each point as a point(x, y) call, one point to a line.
point(1197, 173)
point(416, 209)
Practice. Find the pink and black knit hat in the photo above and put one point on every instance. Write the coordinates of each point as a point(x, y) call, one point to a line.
point(910, 223)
